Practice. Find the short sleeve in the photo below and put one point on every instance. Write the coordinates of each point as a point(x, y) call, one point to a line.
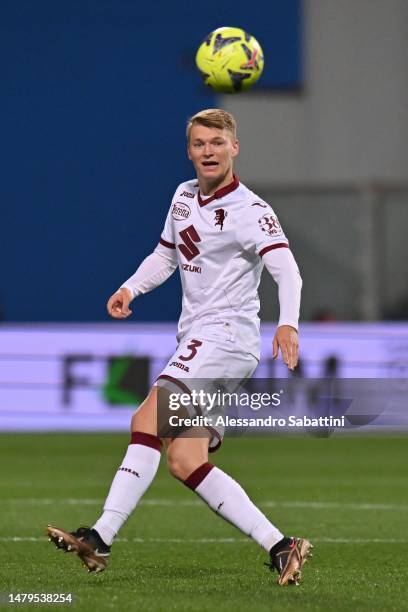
point(259, 230)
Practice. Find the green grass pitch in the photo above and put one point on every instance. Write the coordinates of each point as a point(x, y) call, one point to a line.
point(348, 495)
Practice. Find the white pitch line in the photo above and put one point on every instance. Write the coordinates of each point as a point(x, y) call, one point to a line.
point(222, 540)
point(72, 501)
point(334, 505)
point(360, 540)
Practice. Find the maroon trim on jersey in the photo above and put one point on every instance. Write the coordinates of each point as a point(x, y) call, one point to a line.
point(220, 193)
point(169, 245)
point(176, 381)
point(197, 477)
point(271, 247)
point(214, 432)
point(146, 439)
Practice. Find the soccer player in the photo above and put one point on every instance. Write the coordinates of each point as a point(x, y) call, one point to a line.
point(220, 235)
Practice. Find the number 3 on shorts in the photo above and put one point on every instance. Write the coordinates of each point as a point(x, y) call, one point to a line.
point(193, 346)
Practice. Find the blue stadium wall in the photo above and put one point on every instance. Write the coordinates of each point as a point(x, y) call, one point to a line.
point(95, 97)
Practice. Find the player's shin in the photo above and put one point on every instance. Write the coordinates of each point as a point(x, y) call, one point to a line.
point(228, 499)
point(131, 481)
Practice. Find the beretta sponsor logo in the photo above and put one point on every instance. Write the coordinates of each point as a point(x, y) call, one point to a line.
point(180, 211)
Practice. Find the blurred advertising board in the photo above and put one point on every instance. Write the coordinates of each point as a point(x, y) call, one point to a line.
point(90, 377)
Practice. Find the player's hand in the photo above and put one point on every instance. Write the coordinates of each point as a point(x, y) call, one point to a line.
point(286, 339)
point(118, 304)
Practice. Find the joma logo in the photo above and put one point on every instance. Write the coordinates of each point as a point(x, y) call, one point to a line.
point(180, 365)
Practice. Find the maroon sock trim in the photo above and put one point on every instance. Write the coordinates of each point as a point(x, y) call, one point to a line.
point(198, 476)
point(146, 439)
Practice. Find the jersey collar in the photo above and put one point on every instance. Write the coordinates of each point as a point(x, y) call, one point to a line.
point(220, 193)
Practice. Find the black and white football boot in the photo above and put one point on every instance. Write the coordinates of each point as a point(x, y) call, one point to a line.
point(288, 557)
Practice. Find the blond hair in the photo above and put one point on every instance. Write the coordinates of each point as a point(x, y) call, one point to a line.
point(213, 118)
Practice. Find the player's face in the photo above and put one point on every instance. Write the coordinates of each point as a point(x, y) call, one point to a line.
point(212, 152)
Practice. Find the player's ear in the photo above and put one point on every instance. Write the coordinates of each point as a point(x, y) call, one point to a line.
point(188, 151)
point(235, 148)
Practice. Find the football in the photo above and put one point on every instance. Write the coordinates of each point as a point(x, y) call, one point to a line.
point(230, 60)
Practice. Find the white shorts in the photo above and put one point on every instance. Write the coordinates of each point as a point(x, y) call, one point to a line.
point(208, 356)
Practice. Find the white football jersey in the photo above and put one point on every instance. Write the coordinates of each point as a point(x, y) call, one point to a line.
point(218, 243)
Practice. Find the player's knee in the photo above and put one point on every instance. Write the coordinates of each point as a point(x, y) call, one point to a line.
point(177, 467)
point(145, 419)
point(180, 466)
point(143, 425)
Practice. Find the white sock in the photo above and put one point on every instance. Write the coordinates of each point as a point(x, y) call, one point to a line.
point(228, 499)
point(131, 481)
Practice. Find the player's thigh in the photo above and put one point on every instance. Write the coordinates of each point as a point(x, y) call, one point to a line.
point(145, 418)
point(187, 452)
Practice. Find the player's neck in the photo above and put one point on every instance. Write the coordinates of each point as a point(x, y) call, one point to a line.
point(209, 187)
